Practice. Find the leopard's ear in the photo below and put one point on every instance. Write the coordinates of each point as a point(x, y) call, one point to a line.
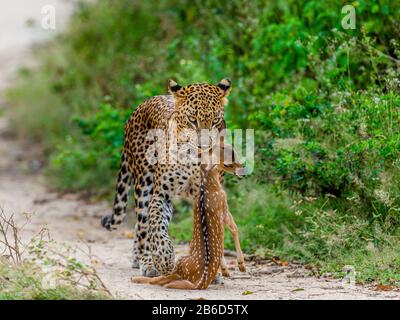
point(225, 86)
point(174, 88)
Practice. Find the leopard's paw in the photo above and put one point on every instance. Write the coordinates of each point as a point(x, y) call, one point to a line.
point(106, 222)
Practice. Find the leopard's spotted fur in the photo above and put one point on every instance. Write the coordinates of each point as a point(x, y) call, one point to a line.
point(196, 106)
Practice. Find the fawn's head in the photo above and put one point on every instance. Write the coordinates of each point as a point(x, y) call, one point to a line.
point(222, 158)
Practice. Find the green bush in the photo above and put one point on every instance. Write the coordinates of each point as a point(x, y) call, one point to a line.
point(97, 150)
point(324, 101)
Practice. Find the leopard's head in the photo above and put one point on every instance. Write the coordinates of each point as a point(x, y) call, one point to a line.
point(200, 105)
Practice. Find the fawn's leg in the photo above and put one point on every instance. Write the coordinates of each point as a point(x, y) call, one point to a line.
point(224, 268)
point(160, 280)
point(141, 279)
point(228, 218)
point(180, 284)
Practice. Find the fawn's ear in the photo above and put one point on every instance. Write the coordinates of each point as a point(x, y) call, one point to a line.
point(207, 167)
point(231, 157)
point(225, 86)
point(240, 171)
point(174, 88)
point(228, 153)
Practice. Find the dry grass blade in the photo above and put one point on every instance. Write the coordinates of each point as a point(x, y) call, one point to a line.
point(44, 251)
point(9, 238)
point(65, 264)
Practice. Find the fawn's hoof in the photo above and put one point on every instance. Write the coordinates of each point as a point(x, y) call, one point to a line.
point(218, 279)
point(225, 273)
point(242, 267)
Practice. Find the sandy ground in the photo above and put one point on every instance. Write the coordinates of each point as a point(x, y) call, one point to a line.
point(76, 221)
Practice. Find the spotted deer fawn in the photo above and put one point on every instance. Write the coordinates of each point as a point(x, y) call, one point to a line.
point(200, 267)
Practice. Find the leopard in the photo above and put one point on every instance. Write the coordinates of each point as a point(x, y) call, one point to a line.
point(189, 108)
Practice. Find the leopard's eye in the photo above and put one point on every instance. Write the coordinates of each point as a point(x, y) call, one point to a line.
point(192, 120)
point(216, 120)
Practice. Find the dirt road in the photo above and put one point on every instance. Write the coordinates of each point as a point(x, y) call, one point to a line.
point(71, 220)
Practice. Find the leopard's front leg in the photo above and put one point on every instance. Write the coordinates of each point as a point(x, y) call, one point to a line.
point(162, 249)
point(141, 254)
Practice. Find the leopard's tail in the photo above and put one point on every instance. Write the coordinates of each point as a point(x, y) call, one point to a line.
point(123, 186)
